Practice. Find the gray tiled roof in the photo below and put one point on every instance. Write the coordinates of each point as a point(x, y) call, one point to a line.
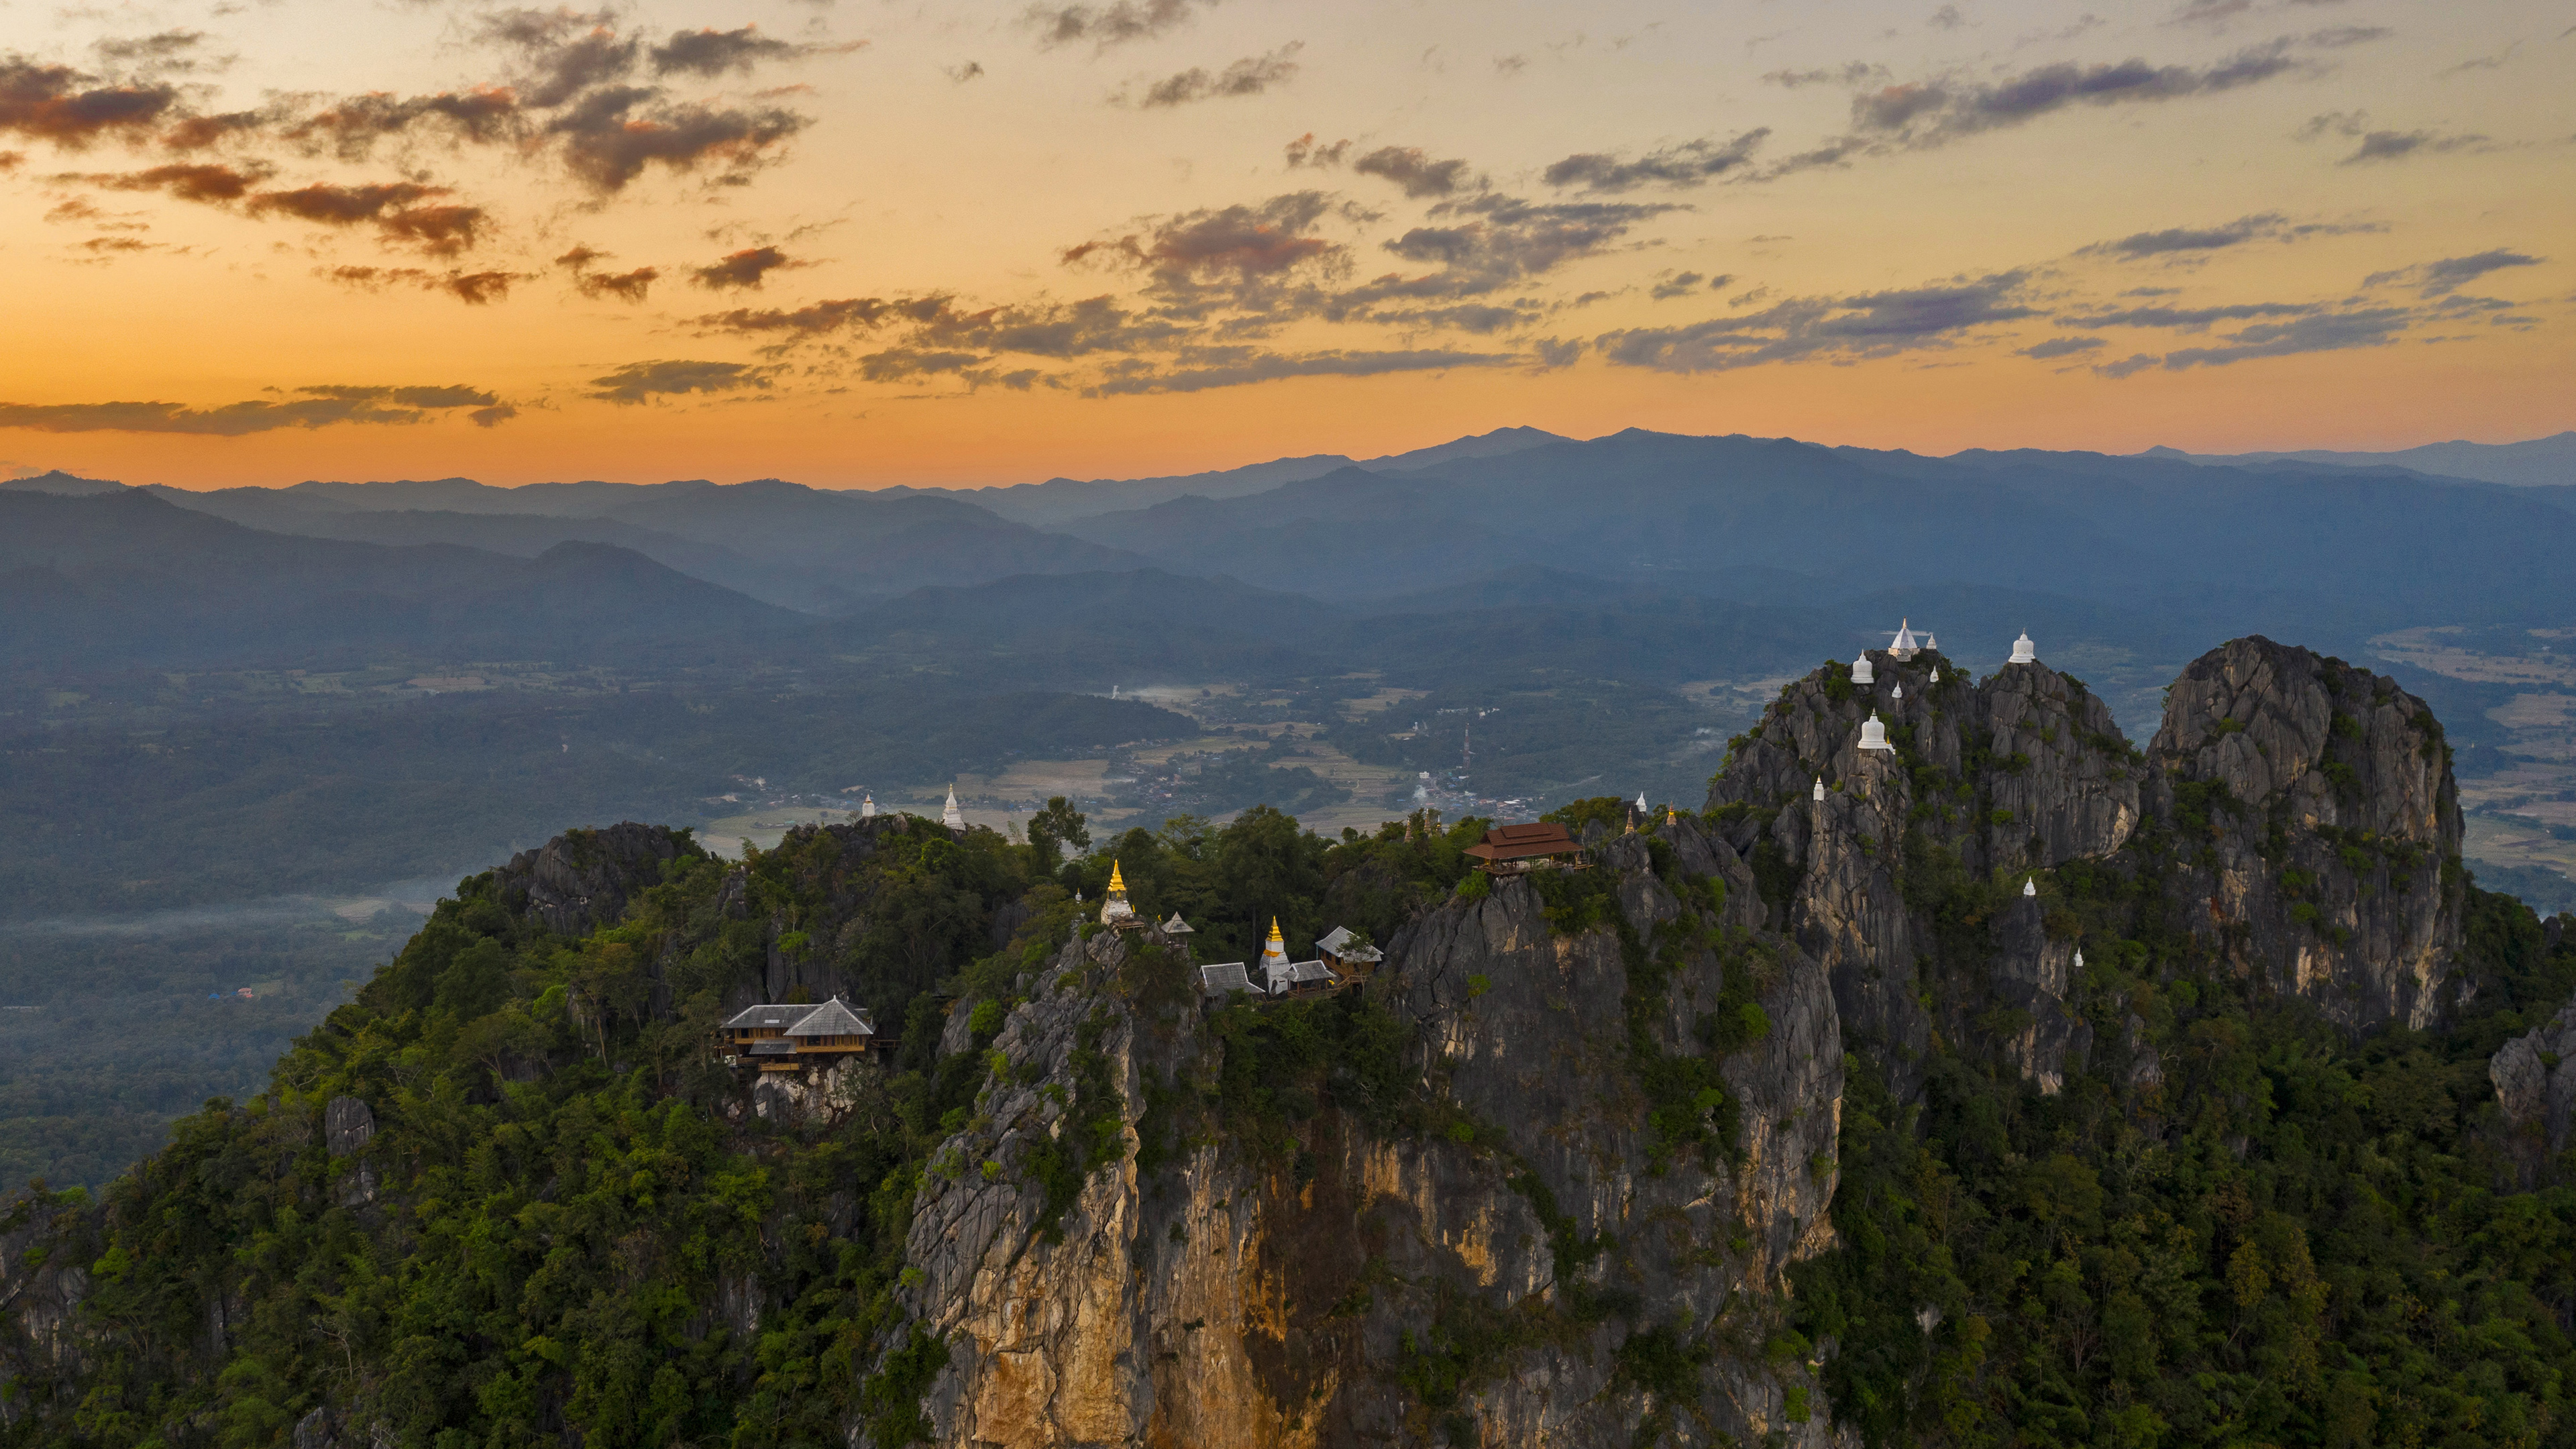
point(1228, 976)
point(1299, 973)
point(833, 1018)
point(781, 1015)
point(1339, 943)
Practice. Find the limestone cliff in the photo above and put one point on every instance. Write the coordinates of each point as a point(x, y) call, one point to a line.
point(2324, 825)
point(1548, 1257)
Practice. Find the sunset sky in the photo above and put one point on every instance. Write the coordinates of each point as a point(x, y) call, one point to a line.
point(859, 243)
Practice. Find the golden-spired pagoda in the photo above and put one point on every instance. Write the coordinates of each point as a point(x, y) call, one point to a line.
point(1115, 913)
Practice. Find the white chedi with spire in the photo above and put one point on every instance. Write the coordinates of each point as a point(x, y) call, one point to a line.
point(1936, 674)
point(1873, 735)
point(868, 807)
point(1903, 645)
point(1820, 788)
point(1115, 913)
point(1861, 673)
point(1900, 691)
point(1273, 969)
point(1928, 646)
point(952, 817)
point(2024, 652)
point(2030, 885)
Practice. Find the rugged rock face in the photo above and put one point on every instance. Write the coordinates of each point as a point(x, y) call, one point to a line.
point(2535, 1084)
point(1303, 1291)
point(2323, 794)
point(582, 878)
point(1988, 782)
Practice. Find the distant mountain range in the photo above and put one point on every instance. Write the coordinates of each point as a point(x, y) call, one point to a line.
point(1658, 555)
point(2539, 461)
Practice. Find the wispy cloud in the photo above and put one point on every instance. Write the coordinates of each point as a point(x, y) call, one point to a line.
point(317, 406)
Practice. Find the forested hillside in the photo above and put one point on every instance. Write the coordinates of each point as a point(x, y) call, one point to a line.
point(1965, 1105)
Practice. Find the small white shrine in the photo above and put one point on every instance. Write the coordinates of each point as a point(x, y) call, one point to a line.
point(2024, 652)
point(2029, 885)
point(1873, 736)
point(1903, 647)
point(1861, 673)
point(952, 817)
point(1820, 787)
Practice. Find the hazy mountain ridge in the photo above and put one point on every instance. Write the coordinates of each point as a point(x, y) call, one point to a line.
point(2550, 460)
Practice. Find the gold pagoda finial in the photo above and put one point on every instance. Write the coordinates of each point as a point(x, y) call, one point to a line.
point(1116, 884)
point(1274, 931)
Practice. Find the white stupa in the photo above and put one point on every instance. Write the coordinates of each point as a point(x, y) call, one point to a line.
point(1900, 691)
point(1936, 674)
point(2029, 885)
point(2024, 652)
point(952, 817)
point(1873, 735)
point(868, 807)
point(2079, 958)
point(1903, 645)
point(1274, 960)
point(1641, 802)
point(1115, 913)
point(1861, 671)
point(1820, 787)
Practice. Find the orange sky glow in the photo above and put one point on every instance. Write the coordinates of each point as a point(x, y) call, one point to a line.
point(858, 245)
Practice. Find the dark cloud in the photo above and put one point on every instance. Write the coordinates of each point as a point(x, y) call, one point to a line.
point(2337, 37)
point(199, 133)
point(440, 231)
point(1488, 242)
point(821, 319)
point(712, 53)
point(2135, 362)
point(563, 52)
point(1411, 168)
point(2060, 347)
point(1105, 26)
point(1926, 113)
point(2391, 145)
point(1680, 284)
point(342, 205)
point(2189, 319)
point(350, 128)
point(638, 382)
point(2440, 279)
point(2326, 332)
point(205, 183)
point(1250, 367)
point(2192, 239)
point(1875, 324)
point(11, 161)
point(1946, 18)
point(964, 73)
point(492, 417)
point(611, 135)
point(72, 110)
point(171, 50)
point(1249, 76)
point(1855, 73)
point(1692, 163)
point(392, 207)
point(1305, 151)
point(1245, 241)
point(625, 286)
point(744, 268)
point(314, 407)
point(475, 289)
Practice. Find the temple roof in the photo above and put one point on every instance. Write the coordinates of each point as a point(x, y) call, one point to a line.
point(1338, 941)
point(1522, 842)
point(1225, 976)
point(777, 1014)
point(833, 1018)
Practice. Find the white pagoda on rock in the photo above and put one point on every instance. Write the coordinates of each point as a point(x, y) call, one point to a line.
point(952, 817)
point(1873, 735)
point(1861, 671)
point(1903, 647)
point(868, 807)
point(1820, 787)
point(1115, 913)
point(2024, 652)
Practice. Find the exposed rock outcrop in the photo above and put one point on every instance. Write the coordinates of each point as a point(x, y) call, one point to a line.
point(1277, 1292)
point(2315, 805)
point(582, 878)
point(2535, 1085)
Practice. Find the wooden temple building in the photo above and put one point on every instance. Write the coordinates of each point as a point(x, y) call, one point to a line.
point(787, 1038)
